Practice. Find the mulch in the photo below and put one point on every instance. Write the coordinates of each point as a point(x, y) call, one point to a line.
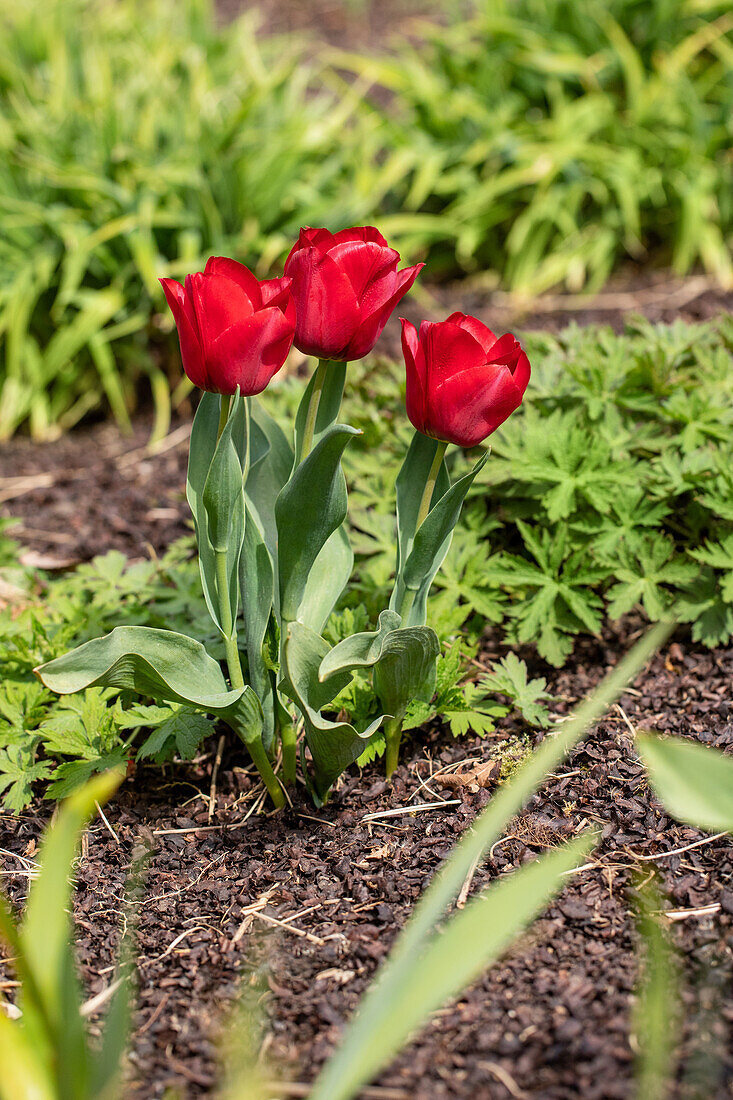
point(550, 1021)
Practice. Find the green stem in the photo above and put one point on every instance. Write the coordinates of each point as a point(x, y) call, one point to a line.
point(264, 767)
point(408, 598)
point(287, 740)
point(315, 400)
point(392, 736)
point(427, 496)
point(224, 403)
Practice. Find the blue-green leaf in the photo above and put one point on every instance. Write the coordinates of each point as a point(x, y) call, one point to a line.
point(309, 509)
point(333, 745)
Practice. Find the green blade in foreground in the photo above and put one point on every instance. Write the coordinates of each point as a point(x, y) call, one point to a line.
point(694, 782)
point(408, 952)
point(454, 957)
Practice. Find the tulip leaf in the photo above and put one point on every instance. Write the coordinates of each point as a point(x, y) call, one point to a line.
point(267, 475)
point(409, 489)
point(256, 582)
point(223, 501)
point(159, 663)
point(201, 452)
point(361, 650)
point(327, 579)
point(694, 782)
point(310, 507)
point(406, 668)
point(329, 405)
point(333, 745)
point(429, 548)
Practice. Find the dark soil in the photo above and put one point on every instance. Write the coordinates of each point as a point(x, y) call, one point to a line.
point(550, 1021)
point(94, 490)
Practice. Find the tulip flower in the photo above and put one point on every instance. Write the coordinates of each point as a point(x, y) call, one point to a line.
point(462, 380)
point(234, 330)
point(345, 286)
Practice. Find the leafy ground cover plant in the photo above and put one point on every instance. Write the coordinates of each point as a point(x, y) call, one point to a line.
point(269, 510)
point(427, 966)
point(543, 142)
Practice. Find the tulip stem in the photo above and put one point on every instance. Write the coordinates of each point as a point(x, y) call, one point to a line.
point(264, 767)
point(392, 737)
point(427, 496)
point(315, 399)
point(223, 414)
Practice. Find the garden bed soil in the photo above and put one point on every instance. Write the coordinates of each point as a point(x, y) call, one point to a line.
point(95, 490)
point(551, 1021)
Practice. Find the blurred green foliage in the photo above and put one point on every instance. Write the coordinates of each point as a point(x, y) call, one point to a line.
point(541, 140)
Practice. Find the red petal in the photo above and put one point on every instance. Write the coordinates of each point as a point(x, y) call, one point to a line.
point(370, 269)
point(249, 354)
point(522, 373)
point(239, 274)
point(326, 309)
point(360, 233)
point(477, 329)
point(415, 374)
point(219, 303)
point(276, 292)
point(310, 238)
point(472, 404)
point(191, 351)
point(372, 324)
point(506, 350)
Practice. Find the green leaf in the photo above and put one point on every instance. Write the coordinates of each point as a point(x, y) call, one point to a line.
point(409, 489)
point(19, 770)
point(509, 677)
point(46, 935)
point(223, 501)
point(430, 546)
point(329, 405)
point(327, 579)
point(694, 782)
point(656, 1008)
point(256, 582)
point(158, 663)
point(333, 745)
point(471, 940)
point(26, 1075)
point(182, 732)
point(361, 650)
point(267, 477)
point(201, 451)
point(308, 510)
point(405, 670)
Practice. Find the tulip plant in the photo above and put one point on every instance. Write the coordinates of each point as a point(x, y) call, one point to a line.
point(269, 511)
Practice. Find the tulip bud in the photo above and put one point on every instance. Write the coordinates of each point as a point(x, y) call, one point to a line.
point(462, 381)
point(233, 329)
point(345, 286)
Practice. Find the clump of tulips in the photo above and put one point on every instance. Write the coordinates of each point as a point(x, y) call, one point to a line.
point(269, 511)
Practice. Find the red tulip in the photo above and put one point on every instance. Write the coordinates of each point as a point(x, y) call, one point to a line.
point(462, 380)
point(233, 329)
point(345, 287)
